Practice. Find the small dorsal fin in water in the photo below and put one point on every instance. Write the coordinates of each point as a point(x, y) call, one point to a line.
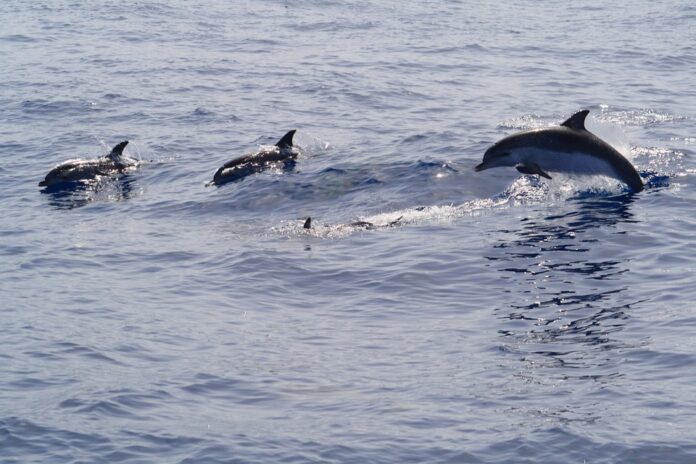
point(531, 168)
point(286, 141)
point(395, 222)
point(307, 223)
point(117, 151)
point(577, 121)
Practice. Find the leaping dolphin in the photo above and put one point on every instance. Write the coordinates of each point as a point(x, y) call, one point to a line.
point(282, 152)
point(568, 148)
point(73, 171)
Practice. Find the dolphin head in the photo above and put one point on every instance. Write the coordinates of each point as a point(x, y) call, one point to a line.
point(53, 177)
point(501, 153)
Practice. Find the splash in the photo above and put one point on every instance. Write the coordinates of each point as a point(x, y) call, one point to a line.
point(387, 220)
point(311, 145)
point(525, 191)
point(663, 161)
point(636, 117)
point(526, 122)
point(610, 133)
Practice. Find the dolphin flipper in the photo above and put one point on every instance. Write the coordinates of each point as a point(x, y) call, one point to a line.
point(286, 141)
point(531, 168)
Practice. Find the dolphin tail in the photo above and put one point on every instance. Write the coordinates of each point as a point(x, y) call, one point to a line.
point(286, 141)
point(117, 151)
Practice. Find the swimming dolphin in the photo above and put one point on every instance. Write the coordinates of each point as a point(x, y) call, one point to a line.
point(568, 148)
point(282, 152)
point(364, 224)
point(73, 171)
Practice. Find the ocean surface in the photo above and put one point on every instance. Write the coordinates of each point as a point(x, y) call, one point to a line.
point(484, 317)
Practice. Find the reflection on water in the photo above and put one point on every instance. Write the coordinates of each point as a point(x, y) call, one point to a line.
point(565, 302)
point(71, 195)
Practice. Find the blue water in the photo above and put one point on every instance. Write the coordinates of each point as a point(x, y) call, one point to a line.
point(149, 319)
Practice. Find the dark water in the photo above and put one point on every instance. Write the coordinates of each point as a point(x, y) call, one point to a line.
point(150, 319)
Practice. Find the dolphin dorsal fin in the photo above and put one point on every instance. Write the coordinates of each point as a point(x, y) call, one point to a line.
point(286, 141)
point(117, 151)
point(577, 121)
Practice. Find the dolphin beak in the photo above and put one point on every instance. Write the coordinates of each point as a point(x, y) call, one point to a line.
point(481, 167)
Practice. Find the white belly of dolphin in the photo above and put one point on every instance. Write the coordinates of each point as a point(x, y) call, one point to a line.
point(577, 163)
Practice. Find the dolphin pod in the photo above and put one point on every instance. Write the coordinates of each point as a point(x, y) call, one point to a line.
point(569, 148)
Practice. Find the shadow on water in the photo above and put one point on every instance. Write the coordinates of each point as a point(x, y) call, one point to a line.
point(566, 296)
point(70, 195)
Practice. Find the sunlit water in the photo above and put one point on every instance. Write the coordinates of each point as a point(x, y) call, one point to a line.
point(485, 317)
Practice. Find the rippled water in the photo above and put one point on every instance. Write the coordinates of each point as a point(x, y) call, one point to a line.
point(486, 317)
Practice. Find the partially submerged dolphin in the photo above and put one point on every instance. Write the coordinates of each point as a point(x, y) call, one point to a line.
point(282, 152)
point(568, 148)
point(74, 171)
point(364, 224)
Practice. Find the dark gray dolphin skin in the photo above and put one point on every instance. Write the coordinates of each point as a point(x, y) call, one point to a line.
point(282, 152)
point(82, 170)
point(568, 148)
